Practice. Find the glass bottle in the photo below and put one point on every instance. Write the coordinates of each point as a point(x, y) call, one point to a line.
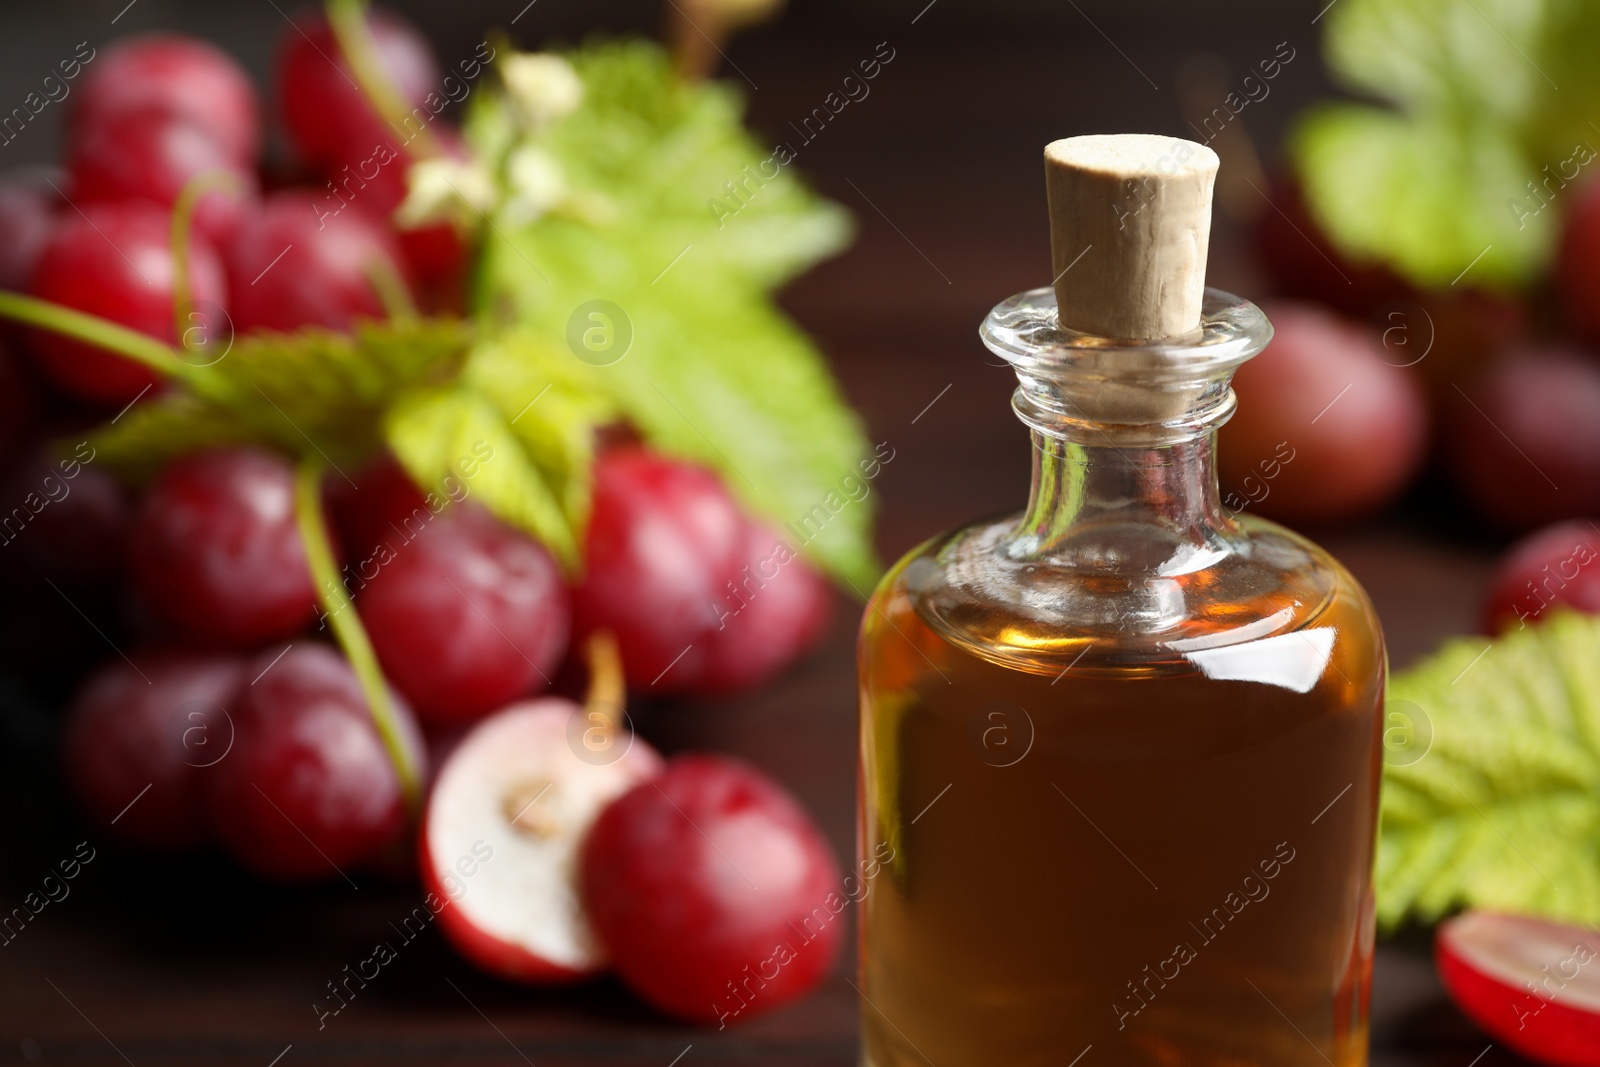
point(1119, 753)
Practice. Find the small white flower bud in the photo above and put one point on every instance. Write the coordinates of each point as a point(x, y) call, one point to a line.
point(448, 190)
point(543, 86)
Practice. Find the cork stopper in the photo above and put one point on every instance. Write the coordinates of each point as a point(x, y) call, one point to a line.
point(1130, 220)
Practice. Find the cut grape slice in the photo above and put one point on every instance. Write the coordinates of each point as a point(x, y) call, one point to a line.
point(1532, 983)
point(500, 839)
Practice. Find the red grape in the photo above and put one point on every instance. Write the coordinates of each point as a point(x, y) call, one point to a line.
point(115, 261)
point(1325, 429)
point(294, 263)
point(308, 791)
point(778, 608)
point(384, 507)
point(1577, 267)
point(153, 156)
point(1523, 441)
point(712, 891)
point(465, 616)
point(180, 77)
point(139, 736)
point(79, 515)
point(1559, 565)
point(216, 550)
point(1445, 338)
point(663, 542)
point(29, 203)
point(437, 258)
point(326, 113)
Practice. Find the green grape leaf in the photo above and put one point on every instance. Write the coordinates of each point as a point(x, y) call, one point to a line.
point(310, 391)
point(1502, 809)
point(655, 284)
point(149, 434)
point(1486, 118)
point(677, 167)
point(1427, 198)
point(454, 431)
point(553, 403)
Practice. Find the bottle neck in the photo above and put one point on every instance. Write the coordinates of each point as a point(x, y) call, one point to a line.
point(1123, 509)
point(1124, 485)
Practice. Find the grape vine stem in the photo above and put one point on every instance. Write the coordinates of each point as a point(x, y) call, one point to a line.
point(348, 19)
point(93, 330)
point(183, 212)
point(340, 614)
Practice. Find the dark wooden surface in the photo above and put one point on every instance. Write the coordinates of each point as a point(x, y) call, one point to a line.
point(152, 962)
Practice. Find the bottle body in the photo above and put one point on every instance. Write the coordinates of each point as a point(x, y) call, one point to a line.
point(1120, 754)
point(1169, 864)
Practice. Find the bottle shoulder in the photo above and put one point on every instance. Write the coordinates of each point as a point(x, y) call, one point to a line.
point(1252, 583)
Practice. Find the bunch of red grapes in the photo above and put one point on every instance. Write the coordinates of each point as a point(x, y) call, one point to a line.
point(1369, 380)
point(228, 717)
